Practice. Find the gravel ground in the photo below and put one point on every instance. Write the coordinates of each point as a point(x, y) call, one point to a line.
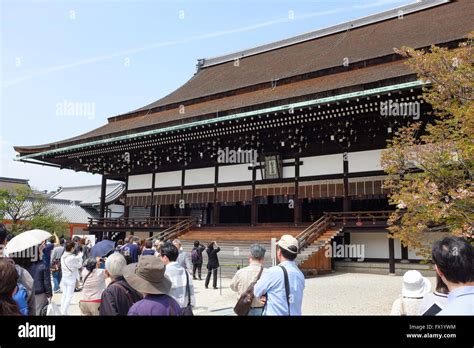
point(332, 294)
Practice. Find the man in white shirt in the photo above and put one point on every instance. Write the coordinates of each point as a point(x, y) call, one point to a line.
point(178, 275)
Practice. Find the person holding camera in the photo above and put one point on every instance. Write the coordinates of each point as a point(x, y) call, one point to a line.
point(212, 263)
point(93, 285)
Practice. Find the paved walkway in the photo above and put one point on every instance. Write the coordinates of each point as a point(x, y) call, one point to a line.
point(332, 294)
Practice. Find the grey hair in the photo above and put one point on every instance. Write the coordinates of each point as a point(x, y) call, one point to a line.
point(257, 251)
point(115, 264)
point(177, 241)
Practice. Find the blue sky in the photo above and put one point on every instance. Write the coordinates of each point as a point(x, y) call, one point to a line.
point(121, 55)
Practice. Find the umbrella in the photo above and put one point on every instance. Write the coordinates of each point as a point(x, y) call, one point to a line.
point(102, 248)
point(26, 240)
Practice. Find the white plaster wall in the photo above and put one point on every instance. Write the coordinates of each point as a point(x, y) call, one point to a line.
point(168, 179)
point(321, 165)
point(140, 182)
point(235, 173)
point(375, 244)
point(364, 161)
point(199, 176)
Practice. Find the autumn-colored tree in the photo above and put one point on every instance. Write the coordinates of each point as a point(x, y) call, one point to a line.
point(430, 171)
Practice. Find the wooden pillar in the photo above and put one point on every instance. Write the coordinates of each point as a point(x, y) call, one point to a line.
point(346, 206)
point(297, 202)
point(346, 203)
point(102, 196)
point(126, 209)
point(254, 208)
point(183, 177)
point(391, 255)
point(152, 204)
point(215, 206)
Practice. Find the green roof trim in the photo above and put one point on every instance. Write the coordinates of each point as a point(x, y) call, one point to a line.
point(286, 107)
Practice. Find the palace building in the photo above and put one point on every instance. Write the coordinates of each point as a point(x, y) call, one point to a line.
point(316, 109)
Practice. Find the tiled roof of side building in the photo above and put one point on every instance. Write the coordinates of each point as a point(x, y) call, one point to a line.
point(317, 62)
point(90, 195)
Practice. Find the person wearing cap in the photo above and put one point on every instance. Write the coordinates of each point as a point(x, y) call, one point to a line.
point(272, 284)
point(454, 263)
point(414, 288)
point(148, 277)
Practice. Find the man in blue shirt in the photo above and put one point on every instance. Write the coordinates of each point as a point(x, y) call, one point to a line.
point(454, 263)
point(272, 282)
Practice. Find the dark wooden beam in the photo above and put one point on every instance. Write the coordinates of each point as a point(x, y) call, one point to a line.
point(391, 255)
point(215, 205)
point(152, 205)
point(297, 202)
point(126, 209)
point(254, 208)
point(102, 196)
point(345, 179)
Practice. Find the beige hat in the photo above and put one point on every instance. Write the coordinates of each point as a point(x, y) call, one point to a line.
point(289, 243)
point(415, 285)
point(148, 275)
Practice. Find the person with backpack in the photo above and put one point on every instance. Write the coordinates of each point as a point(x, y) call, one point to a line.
point(197, 259)
point(55, 264)
point(119, 296)
point(248, 276)
point(282, 286)
point(70, 265)
point(25, 293)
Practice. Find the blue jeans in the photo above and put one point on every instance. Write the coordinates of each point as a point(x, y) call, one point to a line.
point(256, 311)
point(56, 280)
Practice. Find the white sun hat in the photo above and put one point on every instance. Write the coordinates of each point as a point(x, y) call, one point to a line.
point(415, 285)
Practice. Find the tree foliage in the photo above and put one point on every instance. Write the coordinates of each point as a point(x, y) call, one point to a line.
point(430, 169)
point(27, 210)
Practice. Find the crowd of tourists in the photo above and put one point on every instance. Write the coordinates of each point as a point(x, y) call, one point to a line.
point(141, 277)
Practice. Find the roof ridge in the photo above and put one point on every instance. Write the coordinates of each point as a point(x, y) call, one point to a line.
point(417, 6)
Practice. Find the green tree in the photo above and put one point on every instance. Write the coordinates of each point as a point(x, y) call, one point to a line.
point(27, 210)
point(430, 170)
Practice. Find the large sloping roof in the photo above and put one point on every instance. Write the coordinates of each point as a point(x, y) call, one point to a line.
point(306, 66)
point(68, 210)
point(89, 195)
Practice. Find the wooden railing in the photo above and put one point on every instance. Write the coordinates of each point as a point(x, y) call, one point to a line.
point(312, 232)
point(133, 223)
point(176, 230)
point(361, 218)
point(352, 219)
